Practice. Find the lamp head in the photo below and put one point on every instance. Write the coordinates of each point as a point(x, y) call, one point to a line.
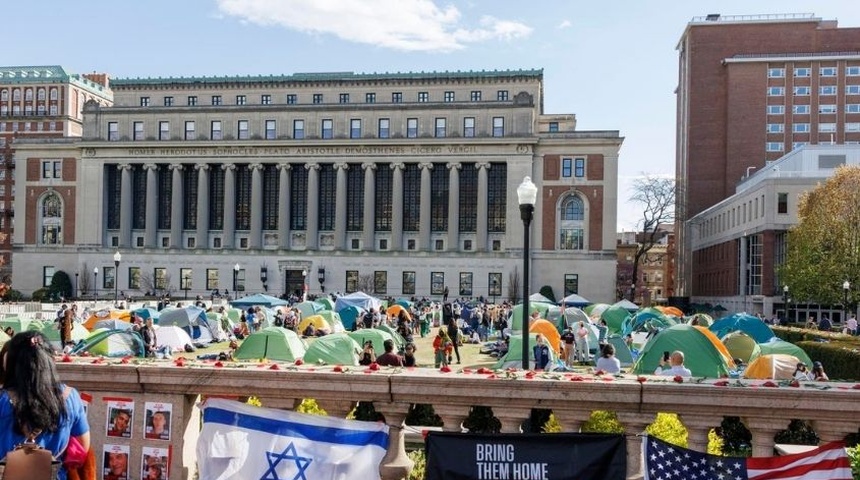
point(117, 257)
point(304, 272)
point(785, 288)
point(527, 192)
point(236, 268)
point(321, 275)
point(846, 285)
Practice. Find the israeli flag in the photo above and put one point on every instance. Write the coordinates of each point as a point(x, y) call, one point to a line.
point(243, 442)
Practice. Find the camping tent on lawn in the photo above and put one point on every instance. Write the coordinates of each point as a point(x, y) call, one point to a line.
point(147, 312)
point(53, 334)
point(273, 343)
point(702, 319)
point(307, 309)
point(702, 357)
point(615, 317)
point(646, 319)
point(514, 357)
point(334, 349)
point(548, 330)
point(111, 324)
point(742, 346)
point(776, 366)
point(378, 337)
point(537, 297)
point(22, 324)
point(105, 314)
point(333, 319)
point(781, 346)
point(173, 336)
point(349, 315)
point(111, 343)
point(749, 324)
point(319, 323)
point(357, 299)
point(185, 317)
point(626, 305)
point(517, 313)
point(595, 309)
point(258, 299)
point(622, 351)
point(573, 315)
point(399, 341)
point(325, 303)
point(574, 300)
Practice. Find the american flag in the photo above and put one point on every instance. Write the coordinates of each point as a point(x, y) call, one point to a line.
point(664, 461)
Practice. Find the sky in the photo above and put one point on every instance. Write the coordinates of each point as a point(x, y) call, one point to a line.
point(613, 64)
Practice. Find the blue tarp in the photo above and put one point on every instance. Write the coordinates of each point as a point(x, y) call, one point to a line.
point(258, 299)
point(357, 299)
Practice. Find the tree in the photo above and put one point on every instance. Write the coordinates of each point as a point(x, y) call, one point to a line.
point(366, 283)
point(514, 285)
point(656, 195)
point(823, 249)
point(61, 285)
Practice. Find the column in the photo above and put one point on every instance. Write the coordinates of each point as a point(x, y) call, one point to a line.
point(833, 431)
point(151, 235)
point(763, 430)
point(284, 206)
point(424, 212)
point(512, 418)
point(312, 233)
point(396, 465)
point(397, 207)
point(202, 206)
point(571, 420)
point(256, 237)
point(340, 207)
point(368, 222)
point(229, 206)
point(481, 238)
point(452, 416)
point(697, 431)
point(177, 204)
point(125, 212)
point(634, 425)
point(453, 206)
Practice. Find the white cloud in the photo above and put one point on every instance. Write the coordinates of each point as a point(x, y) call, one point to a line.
point(564, 24)
point(409, 25)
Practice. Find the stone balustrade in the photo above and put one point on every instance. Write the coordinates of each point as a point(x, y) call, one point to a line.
point(511, 395)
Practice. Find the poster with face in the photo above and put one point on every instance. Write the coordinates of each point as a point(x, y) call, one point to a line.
point(115, 462)
point(120, 416)
point(154, 463)
point(156, 423)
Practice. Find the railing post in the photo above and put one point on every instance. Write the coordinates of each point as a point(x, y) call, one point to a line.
point(763, 430)
point(336, 408)
point(512, 418)
point(697, 431)
point(634, 427)
point(830, 431)
point(396, 465)
point(452, 416)
point(571, 420)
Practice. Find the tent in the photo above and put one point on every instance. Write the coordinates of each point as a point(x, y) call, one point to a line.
point(781, 346)
point(548, 330)
point(399, 341)
point(334, 349)
point(555, 316)
point(317, 321)
point(333, 319)
point(517, 313)
point(325, 303)
point(646, 319)
point(596, 309)
point(51, 331)
point(749, 324)
point(112, 324)
point(702, 356)
point(626, 305)
point(357, 299)
point(306, 309)
point(719, 344)
point(378, 337)
point(112, 343)
point(173, 336)
point(349, 315)
point(22, 324)
point(514, 357)
point(622, 351)
point(258, 299)
point(742, 346)
point(776, 366)
point(105, 314)
point(403, 302)
point(147, 312)
point(702, 319)
point(273, 343)
point(210, 330)
point(395, 311)
point(671, 311)
point(615, 317)
point(574, 300)
point(185, 317)
point(537, 297)
point(573, 316)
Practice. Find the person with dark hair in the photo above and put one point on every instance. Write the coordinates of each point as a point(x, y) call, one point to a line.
point(389, 358)
point(454, 335)
point(607, 361)
point(33, 402)
point(66, 327)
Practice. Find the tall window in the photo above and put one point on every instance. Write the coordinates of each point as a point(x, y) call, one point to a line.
point(327, 196)
point(242, 130)
point(469, 127)
point(579, 168)
point(498, 126)
point(271, 130)
point(113, 131)
point(439, 198)
point(165, 196)
point(411, 197)
point(292, 99)
point(271, 185)
point(571, 283)
point(144, 101)
point(355, 128)
point(243, 197)
point(212, 279)
point(566, 167)
point(441, 124)
point(497, 180)
point(298, 129)
point(465, 284)
point(781, 203)
point(189, 190)
point(164, 130)
point(468, 198)
point(423, 97)
point(113, 195)
point(190, 130)
point(51, 219)
point(298, 198)
point(215, 132)
point(138, 198)
point(571, 230)
point(408, 283)
point(384, 128)
point(317, 98)
point(327, 128)
point(191, 101)
point(411, 128)
point(160, 278)
point(134, 278)
point(216, 198)
point(351, 281)
point(382, 207)
point(380, 282)
point(168, 101)
point(354, 198)
point(216, 100)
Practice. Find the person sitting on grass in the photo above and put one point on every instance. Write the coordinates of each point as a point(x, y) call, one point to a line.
point(389, 358)
point(607, 361)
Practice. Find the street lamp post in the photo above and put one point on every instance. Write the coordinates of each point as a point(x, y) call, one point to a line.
point(117, 257)
point(305, 285)
point(527, 196)
point(785, 301)
point(321, 278)
point(76, 285)
point(846, 287)
point(95, 284)
point(236, 269)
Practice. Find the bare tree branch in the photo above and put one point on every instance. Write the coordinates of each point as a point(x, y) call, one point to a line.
point(656, 195)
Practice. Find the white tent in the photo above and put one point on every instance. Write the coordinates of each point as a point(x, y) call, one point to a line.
point(357, 299)
point(174, 337)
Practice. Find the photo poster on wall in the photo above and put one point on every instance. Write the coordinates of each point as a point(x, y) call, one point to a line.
point(115, 462)
point(154, 463)
point(86, 399)
point(120, 417)
point(156, 422)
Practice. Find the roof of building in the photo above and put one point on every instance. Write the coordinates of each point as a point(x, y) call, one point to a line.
point(41, 74)
point(330, 77)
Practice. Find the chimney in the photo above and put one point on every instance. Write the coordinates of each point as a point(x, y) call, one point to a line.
point(100, 78)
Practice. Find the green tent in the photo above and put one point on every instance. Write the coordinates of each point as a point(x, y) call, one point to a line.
point(701, 356)
point(53, 333)
point(645, 320)
point(742, 346)
point(786, 348)
point(622, 351)
point(273, 343)
point(19, 324)
point(325, 303)
point(373, 334)
point(308, 308)
point(614, 316)
point(703, 319)
point(334, 349)
point(514, 357)
point(333, 319)
point(399, 341)
point(517, 313)
point(111, 343)
point(595, 310)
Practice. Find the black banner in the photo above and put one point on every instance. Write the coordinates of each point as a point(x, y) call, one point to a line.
point(551, 456)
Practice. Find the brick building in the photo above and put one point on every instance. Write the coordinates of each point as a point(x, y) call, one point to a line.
point(751, 89)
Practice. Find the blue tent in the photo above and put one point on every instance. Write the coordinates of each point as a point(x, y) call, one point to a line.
point(744, 322)
point(258, 299)
point(357, 299)
point(349, 315)
point(574, 300)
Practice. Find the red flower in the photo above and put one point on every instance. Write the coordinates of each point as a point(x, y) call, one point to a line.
point(856, 386)
point(444, 369)
point(337, 368)
point(721, 383)
point(769, 384)
point(274, 367)
point(66, 358)
point(576, 378)
point(678, 379)
point(794, 383)
point(608, 379)
point(493, 375)
point(98, 361)
point(374, 366)
point(467, 370)
point(484, 371)
point(600, 372)
point(125, 360)
point(218, 364)
point(641, 379)
point(179, 362)
point(299, 361)
point(531, 374)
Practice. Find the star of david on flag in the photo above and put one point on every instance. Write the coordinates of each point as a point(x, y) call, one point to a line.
point(664, 461)
point(241, 442)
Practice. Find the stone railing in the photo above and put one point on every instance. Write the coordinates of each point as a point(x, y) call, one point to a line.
point(511, 395)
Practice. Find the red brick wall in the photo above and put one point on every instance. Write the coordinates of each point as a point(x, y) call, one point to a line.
point(34, 169)
point(715, 270)
point(69, 165)
point(551, 167)
point(32, 213)
point(594, 167)
point(593, 198)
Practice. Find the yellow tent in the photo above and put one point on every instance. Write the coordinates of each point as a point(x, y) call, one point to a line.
point(395, 310)
point(777, 366)
point(548, 330)
point(100, 315)
point(317, 321)
point(719, 345)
